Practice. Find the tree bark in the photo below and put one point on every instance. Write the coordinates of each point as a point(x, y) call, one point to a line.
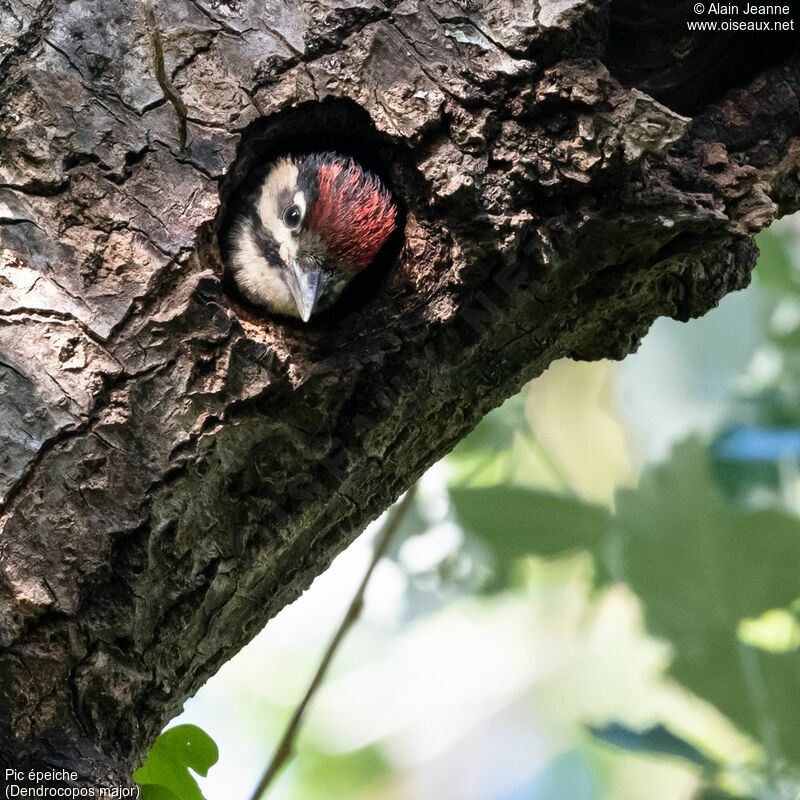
point(174, 466)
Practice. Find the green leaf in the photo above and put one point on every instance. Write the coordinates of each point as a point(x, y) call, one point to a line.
point(657, 740)
point(515, 522)
point(773, 684)
point(718, 794)
point(166, 775)
point(775, 268)
point(700, 565)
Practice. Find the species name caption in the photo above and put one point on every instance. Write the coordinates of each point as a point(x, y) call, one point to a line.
point(42, 783)
point(741, 17)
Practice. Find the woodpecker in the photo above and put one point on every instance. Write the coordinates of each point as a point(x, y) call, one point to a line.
point(314, 223)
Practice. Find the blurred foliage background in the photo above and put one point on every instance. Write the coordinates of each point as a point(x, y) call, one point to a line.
point(595, 595)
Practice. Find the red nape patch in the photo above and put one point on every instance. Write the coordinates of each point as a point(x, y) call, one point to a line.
point(353, 212)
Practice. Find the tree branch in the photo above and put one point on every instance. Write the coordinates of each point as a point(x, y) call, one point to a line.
point(286, 745)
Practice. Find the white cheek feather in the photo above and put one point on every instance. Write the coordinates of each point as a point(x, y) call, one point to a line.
point(259, 281)
point(300, 202)
point(283, 174)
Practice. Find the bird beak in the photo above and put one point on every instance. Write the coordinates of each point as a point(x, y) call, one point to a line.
point(305, 283)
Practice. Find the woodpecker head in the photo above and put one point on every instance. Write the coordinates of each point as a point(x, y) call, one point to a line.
point(315, 222)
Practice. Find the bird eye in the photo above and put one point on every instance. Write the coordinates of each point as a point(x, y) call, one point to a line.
point(291, 216)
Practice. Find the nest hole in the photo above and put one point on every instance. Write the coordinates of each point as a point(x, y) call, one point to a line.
point(331, 125)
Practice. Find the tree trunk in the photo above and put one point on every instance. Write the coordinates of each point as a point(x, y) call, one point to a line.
point(174, 467)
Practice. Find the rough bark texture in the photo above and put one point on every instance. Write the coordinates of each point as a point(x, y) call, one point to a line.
point(175, 468)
